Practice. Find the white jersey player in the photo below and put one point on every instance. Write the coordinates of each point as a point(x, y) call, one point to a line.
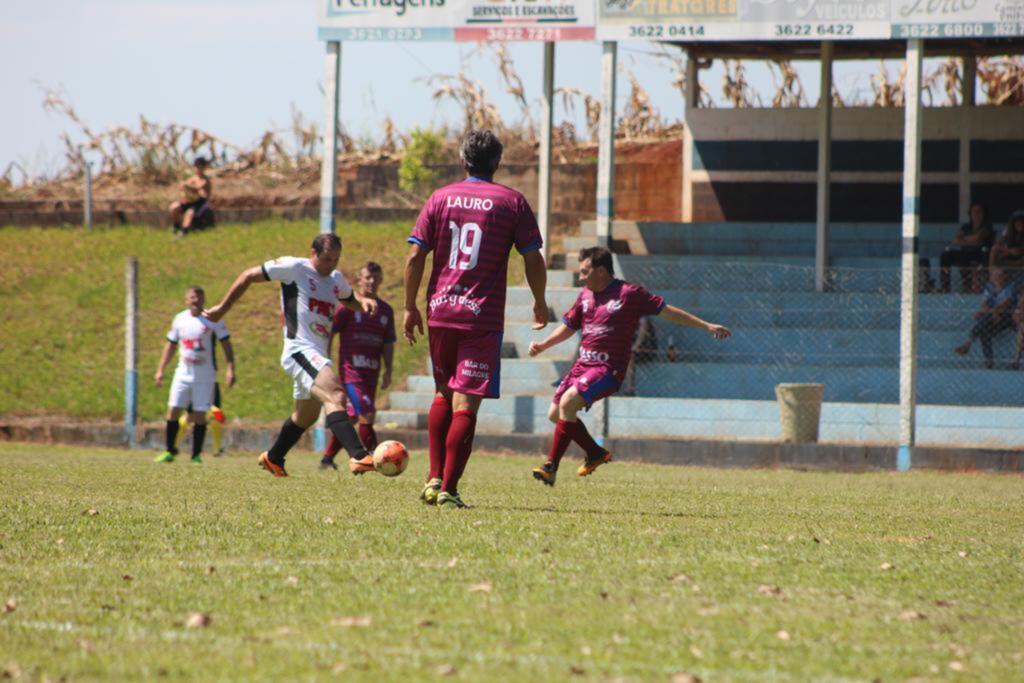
point(196, 375)
point(310, 290)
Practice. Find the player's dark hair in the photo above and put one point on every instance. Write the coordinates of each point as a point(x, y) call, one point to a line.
point(326, 240)
point(480, 153)
point(197, 289)
point(599, 256)
point(372, 267)
point(200, 161)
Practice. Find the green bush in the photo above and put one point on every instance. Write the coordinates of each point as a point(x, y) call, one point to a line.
point(423, 150)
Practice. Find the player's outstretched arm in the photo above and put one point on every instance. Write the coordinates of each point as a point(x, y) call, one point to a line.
point(557, 336)
point(388, 353)
point(681, 317)
point(415, 262)
point(537, 279)
point(242, 282)
point(165, 358)
point(229, 356)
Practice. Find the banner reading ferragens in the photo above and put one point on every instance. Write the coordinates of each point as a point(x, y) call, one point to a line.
point(459, 20)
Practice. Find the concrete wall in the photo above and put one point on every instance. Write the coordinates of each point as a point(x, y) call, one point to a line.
point(760, 164)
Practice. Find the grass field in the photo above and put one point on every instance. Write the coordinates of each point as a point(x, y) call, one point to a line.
point(638, 573)
point(62, 348)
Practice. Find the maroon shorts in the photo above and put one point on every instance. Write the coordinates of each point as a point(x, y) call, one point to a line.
point(465, 361)
point(361, 396)
point(593, 382)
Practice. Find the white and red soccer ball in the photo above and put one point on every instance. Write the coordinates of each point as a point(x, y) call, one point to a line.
point(390, 458)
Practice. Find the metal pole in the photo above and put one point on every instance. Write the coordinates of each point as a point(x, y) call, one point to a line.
point(911, 225)
point(824, 169)
point(967, 101)
point(544, 153)
point(131, 350)
point(329, 164)
point(691, 93)
point(87, 202)
point(606, 145)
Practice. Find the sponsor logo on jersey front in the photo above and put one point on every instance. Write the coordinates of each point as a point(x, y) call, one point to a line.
point(613, 305)
point(455, 300)
point(596, 356)
point(364, 362)
point(319, 329)
point(597, 329)
point(324, 308)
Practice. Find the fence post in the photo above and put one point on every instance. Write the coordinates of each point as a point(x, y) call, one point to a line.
point(87, 202)
point(131, 350)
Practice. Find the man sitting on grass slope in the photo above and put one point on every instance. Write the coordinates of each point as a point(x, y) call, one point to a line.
point(608, 310)
point(310, 289)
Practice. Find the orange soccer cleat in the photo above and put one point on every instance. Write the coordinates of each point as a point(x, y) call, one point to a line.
point(360, 465)
point(265, 463)
point(589, 465)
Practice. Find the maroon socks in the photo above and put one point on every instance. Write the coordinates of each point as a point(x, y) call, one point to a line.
point(458, 447)
point(439, 419)
point(572, 431)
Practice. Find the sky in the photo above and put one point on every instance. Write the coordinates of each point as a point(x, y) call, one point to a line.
point(235, 68)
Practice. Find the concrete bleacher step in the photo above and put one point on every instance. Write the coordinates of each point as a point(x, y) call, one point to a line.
point(402, 419)
point(935, 385)
point(845, 239)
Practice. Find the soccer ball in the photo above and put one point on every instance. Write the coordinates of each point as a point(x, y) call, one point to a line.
point(390, 458)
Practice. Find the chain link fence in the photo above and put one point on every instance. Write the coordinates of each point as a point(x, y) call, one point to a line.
point(847, 338)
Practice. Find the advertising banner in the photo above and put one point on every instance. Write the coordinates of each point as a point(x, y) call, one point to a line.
point(457, 20)
point(809, 20)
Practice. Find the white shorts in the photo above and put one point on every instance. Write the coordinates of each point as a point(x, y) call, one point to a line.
point(303, 366)
point(185, 392)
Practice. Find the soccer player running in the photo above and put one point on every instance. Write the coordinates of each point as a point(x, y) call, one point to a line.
point(363, 341)
point(310, 289)
point(608, 310)
point(471, 226)
point(196, 375)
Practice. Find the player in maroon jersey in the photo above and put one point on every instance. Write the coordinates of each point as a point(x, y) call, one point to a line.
point(363, 342)
point(471, 226)
point(608, 311)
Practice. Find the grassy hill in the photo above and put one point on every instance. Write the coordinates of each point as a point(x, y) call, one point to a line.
point(62, 319)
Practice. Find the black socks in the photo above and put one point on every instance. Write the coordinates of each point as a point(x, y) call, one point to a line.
point(172, 436)
point(343, 430)
point(288, 437)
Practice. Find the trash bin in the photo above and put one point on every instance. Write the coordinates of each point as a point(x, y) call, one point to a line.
point(800, 411)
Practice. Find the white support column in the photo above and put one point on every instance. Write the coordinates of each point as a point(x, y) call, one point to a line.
point(544, 153)
point(691, 96)
point(329, 164)
point(821, 250)
point(967, 102)
point(606, 145)
point(911, 225)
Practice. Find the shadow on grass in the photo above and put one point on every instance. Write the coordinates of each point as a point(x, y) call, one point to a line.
point(606, 512)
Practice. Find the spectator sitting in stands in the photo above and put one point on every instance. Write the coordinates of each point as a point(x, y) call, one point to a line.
point(1008, 250)
point(970, 247)
point(192, 210)
point(995, 315)
point(1018, 319)
point(644, 350)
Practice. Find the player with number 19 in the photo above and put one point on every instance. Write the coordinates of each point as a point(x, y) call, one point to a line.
point(471, 227)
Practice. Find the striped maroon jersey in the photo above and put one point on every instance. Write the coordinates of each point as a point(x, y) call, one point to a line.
point(361, 341)
point(471, 226)
point(609, 319)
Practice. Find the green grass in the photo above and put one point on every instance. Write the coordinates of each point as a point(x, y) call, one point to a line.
point(634, 574)
point(62, 347)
